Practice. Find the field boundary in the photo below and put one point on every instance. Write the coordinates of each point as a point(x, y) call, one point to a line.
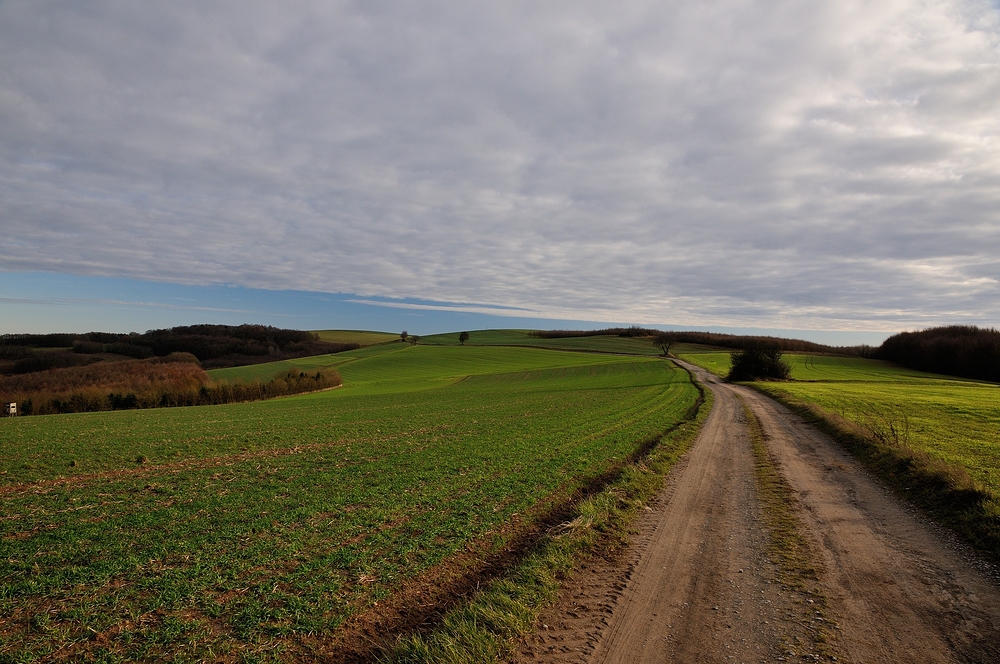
point(487, 626)
point(944, 491)
point(555, 348)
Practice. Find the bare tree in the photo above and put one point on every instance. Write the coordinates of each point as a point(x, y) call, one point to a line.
point(663, 341)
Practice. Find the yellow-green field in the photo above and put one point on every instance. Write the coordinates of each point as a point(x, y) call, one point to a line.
point(251, 531)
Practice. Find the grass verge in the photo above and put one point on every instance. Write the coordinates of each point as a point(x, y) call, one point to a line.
point(944, 490)
point(488, 626)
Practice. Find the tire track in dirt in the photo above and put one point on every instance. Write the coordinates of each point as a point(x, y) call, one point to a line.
point(904, 590)
point(697, 584)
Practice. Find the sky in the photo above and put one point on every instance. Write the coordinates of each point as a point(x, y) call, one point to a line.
point(826, 167)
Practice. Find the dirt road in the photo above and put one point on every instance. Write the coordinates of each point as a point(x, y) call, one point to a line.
point(698, 584)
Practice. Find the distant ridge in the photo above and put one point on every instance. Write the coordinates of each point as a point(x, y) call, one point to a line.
point(734, 341)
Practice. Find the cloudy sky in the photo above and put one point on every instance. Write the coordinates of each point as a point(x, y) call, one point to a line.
point(822, 165)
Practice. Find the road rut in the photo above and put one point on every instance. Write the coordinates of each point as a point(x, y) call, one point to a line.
point(697, 585)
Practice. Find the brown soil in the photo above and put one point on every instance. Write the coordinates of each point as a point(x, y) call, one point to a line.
point(698, 585)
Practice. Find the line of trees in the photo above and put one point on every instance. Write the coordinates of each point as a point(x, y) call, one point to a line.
point(633, 331)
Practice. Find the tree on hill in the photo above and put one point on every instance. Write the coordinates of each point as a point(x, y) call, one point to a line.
point(758, 361)
point(463, 337)
point(414, 339)
point(402, 336)
point(663, 341)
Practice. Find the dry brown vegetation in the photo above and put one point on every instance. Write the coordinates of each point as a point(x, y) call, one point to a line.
point(174, 380)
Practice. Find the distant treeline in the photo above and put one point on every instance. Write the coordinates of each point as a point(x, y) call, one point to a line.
point(608, 331)
point(958, 350)
point(175, 380)
point(737, 342)
point(214, 346)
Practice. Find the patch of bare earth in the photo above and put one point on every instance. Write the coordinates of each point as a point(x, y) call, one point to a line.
point(699, 584)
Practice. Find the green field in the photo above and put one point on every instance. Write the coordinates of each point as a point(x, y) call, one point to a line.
point(246, 530)
point(713, 359)
point(952, 419)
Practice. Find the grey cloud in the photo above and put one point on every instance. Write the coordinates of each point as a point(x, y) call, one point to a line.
point(773, 164)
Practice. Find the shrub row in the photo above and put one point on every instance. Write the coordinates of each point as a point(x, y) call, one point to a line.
point(146, 384)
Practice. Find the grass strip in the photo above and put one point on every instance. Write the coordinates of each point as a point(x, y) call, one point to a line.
point(487, 628)
point(945, 491)
point(788, 546)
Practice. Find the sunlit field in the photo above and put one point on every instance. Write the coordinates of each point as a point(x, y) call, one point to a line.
point(244, 530)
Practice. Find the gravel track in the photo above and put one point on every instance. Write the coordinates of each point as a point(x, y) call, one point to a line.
point(697, 584)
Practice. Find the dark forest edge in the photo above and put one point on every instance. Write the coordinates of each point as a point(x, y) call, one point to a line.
point(957, 350)
point(214, 346)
